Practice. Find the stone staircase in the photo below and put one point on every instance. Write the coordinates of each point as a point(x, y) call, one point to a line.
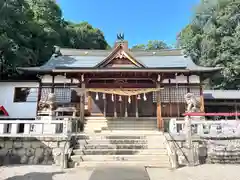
point(97, 124)
point(121, 145)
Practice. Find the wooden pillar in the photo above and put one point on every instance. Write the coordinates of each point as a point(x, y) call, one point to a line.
point(115, 106)
point(188, 84)
point(236, 109)
point(170, 100)
point(89, 102)
point(39, 95)
point(136, 107)
point(202, 108)
point(159, 111)
point(52, 85)
point(126, 106)
point(105, 105)
point(82, 99)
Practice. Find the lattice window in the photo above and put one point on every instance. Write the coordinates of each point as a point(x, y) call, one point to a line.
point(165, 94)
point(177, 94)
point(63, 94)
point(154, 97)
point(174, 94)
point(195, 91)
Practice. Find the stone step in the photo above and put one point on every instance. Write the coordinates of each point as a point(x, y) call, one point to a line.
point(122, 127)
point(119, 152)
point(110, 128)
point(113, 146)
point(114, 141)
point(121, 134)
point(160, 158)
point(130, 133)
point(120, 118)
point(93, 164)
point(120, 122)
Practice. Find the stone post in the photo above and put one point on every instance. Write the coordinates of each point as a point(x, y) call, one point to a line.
point(189, 142)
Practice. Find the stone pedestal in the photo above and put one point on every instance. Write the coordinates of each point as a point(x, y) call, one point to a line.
point(189, 143)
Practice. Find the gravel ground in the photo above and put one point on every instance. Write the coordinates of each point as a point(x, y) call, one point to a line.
point(204, 172)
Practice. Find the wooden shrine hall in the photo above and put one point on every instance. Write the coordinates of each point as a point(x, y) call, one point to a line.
point(121, 82)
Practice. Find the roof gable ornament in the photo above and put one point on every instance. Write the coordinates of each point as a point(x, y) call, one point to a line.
point(120, 36)
point(57, 51)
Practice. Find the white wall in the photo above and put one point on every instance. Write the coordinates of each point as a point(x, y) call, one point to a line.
point(57, 79)
point(17, 109)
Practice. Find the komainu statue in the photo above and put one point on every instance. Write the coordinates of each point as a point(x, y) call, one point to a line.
point(49, 104)
point(193, 103)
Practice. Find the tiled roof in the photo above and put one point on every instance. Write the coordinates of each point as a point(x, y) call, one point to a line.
point(73, 58)
point(221, 94)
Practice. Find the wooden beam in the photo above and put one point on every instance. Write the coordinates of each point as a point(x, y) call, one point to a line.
point(52, 85)
point(39, 95)
point(82, 102)
point(115, 106)
point(202, 99)
point(105, 106)
point(160, 123)
point(89, 102)
point(188, 83)
point(113, 85)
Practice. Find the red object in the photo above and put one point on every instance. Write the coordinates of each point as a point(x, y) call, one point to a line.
point(211, 114)
point(2, 108)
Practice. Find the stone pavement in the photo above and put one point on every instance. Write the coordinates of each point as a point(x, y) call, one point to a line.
point(204, 172)
point(120, 173)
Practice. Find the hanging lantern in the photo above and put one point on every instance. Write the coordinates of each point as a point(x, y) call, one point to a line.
point(97, 97)
point(104, 96)
point(129, 99)
point(120, 98)
point(138, 97)
point(112, 98)
point(144, 97)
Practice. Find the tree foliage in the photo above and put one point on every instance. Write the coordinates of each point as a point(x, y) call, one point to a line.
point(30, 28)
point(151, 45)
point(213, 39)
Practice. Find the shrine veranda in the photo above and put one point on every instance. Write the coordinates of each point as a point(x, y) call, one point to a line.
point(120, 83)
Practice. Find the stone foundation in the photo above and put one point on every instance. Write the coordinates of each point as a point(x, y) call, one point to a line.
point(28, 150)
point(211, 149)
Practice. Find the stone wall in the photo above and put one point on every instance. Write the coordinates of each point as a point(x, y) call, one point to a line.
point(28, 150)
point(211, 150)
point(223, 150)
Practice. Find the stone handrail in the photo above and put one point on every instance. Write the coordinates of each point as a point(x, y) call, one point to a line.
point(172, 154)
point(200, 127)
point(35, 128)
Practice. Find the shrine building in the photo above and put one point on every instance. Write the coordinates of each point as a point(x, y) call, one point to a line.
point(121, 83)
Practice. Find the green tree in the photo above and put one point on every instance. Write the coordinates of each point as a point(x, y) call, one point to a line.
point(30, 28)
point(16, 31)
point(84, 36)
point(151, 45)
point(213, 39)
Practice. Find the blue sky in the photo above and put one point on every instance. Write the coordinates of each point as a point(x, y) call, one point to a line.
point(140, 20)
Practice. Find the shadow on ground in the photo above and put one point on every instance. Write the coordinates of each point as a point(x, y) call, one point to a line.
point(35, 176)
point(119, 173)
